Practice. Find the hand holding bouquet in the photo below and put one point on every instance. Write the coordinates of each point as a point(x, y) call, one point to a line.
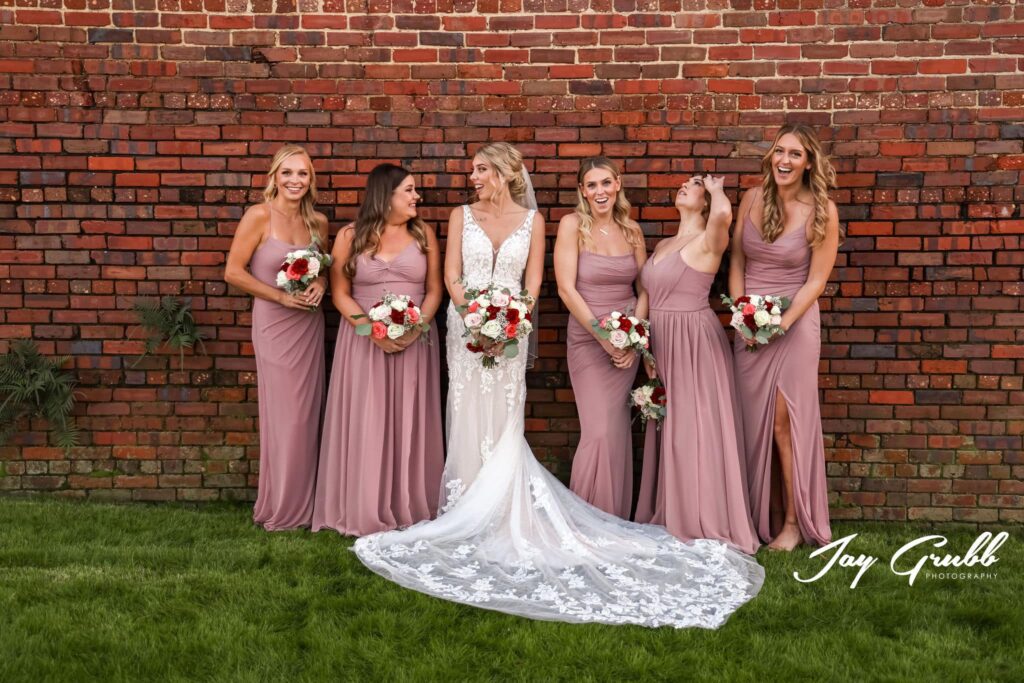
point(495, 318)
point(625, 332)
point(392, 318)
point(757, 318)
point(651, 399)
point(300, 268)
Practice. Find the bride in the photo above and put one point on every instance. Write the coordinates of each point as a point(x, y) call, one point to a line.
point(510, 537)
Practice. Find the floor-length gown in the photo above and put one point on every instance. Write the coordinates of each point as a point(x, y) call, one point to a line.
point(289, 348)
point(788, 366)
point(512, 538)
point(694, 481)
point(382, 448)
point(602, 468)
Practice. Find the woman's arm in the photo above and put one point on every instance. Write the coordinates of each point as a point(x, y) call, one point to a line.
point(737, 259)
point(248, 237)
point(453, 260)
point(716, 233)
point(534, 275)
point(642, 302)
point(823, 258)
point(567, 254)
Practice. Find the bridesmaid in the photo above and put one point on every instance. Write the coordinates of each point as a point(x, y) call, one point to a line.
point(694, 482)
point(382, 451)
point(287, 337)
point(785, 243)
point(598, 253)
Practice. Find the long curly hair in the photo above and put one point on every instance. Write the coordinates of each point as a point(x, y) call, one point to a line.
point(620, 211)
point(381, 184)
point(818, 178)
point(507, 162)
point(308, 201)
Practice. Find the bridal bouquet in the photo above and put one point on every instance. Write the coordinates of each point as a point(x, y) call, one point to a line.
point(757, 318)
point(650, 398)
point(495, 313)
point(391, 317)
point(626, 332)
point(301, 267)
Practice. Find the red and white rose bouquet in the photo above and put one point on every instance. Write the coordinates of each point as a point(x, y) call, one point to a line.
point(625, 331)
point(757, 318)
point(392, 317)
point(496, 314)
point(651, 399)
point(300, 267)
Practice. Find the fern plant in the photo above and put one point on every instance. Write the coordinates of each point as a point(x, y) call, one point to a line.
point(169, 321)
point(33, 385)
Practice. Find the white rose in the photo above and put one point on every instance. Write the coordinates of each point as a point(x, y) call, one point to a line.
point(395, 330)
point(473, 320)
point(491, 328)
point(762, 318)
point(524, 328)
point(775, 310)
point(619, 339)
point(378, 313)
point(282, 279)
point(615, 324)
point(398, 304)
point(314, 267)
point(499, 299)
point(634, 338)
point(518, 305)
point(483, 301)
point(776, 320)
point(737, 319)
point(616, 315)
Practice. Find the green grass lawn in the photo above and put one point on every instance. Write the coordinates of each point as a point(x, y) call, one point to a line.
point(105, 592)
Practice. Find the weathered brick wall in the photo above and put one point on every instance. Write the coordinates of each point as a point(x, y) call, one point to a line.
point(133, 134)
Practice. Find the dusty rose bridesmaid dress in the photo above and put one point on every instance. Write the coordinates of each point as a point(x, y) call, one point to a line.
point(382, 449)
point(787, 366)
point(602, 469)
point(693, 479)
point(289, 348)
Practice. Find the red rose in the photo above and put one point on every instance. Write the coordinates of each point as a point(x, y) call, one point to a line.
point(512, 315)
point(472, 307)
point(748, 320)
point(625, 325)
point(740, 301)
point(658, 395)
point(510, 330)
point(640, 330)
point(397, 317)
point(298, 268)
point(529, 317)
point(474, 348)
point(492, 311)
point(284, 267)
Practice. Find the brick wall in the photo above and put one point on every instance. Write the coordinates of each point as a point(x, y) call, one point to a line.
point(133, 134)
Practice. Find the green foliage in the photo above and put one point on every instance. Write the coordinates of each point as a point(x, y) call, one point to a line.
point(169, 321)
point(35, 386)
point(93, 592)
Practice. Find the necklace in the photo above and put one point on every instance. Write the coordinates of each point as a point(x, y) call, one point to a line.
point(603, 230)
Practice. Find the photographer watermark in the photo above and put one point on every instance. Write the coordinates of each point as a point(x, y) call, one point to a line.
point(908, 562)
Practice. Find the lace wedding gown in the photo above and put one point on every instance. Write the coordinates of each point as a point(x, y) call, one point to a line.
point(510, 537)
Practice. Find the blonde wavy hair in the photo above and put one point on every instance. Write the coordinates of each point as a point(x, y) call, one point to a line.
point(381, 184)
point(308, 201)
point(507, 161)
point(620, 212)
point(819, 177)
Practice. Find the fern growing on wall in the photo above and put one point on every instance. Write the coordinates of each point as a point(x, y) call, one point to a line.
point(35, 386)
point(169, 321)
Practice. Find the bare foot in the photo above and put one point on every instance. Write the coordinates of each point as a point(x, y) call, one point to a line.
point(788, 539)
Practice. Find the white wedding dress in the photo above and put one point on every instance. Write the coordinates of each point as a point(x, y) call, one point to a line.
point(510, 537)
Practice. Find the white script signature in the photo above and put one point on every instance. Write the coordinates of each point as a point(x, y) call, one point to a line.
point(982, 552)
